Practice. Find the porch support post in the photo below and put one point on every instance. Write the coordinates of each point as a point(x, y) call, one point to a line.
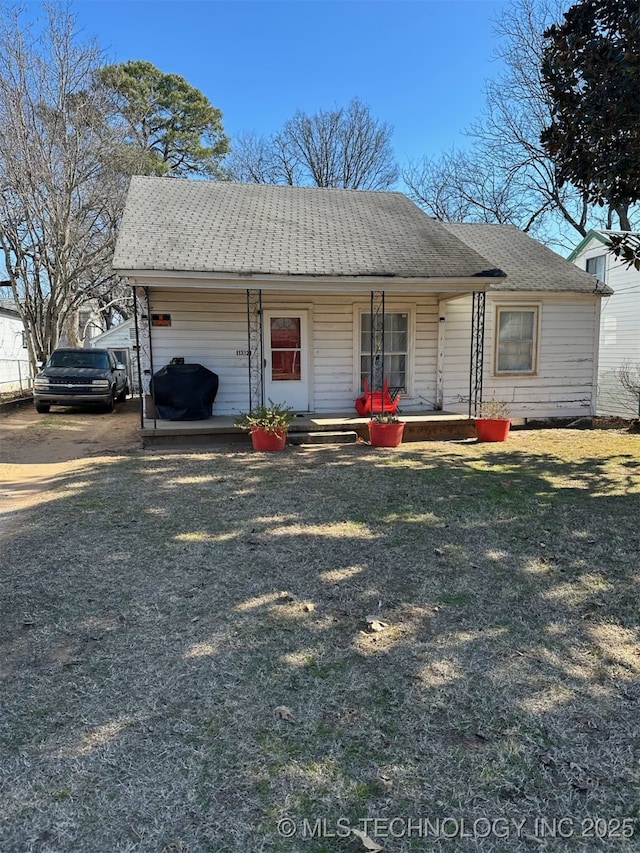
point(151, 388)
point(442, 316)
point(136, 325)
point(376, 370)
point(478, 303)
point(255, 349)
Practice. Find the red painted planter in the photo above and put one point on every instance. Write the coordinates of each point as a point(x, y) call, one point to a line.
point(385, 435)
point(492, 429)
point(265, 440)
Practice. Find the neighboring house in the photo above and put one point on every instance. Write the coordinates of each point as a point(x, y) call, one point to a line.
point(82, 326)
point(15, 373)
point(619, 323)
point(277, 289)
point(121, 340)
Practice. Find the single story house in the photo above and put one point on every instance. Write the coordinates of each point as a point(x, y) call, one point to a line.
point(15, 370)
point(301, 294)
point(619, 324)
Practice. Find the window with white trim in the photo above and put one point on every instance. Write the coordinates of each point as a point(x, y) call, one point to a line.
point(596, 266)
point(396, 351)
point(516, 339)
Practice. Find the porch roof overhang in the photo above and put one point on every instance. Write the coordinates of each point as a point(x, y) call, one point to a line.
point(188, 279)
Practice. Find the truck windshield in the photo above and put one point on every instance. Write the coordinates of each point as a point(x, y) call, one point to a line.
point(80, 358)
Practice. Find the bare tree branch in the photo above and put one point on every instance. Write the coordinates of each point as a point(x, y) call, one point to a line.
point(59, 192)
point(506, 175)
point(344, 147)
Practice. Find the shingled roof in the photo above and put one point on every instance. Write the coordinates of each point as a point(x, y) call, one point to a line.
point(529, 265)
point(174, 225)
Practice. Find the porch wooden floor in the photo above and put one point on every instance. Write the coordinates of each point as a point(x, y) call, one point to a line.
point(420, 426)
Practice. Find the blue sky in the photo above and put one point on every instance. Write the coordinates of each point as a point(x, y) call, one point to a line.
point(420, 65)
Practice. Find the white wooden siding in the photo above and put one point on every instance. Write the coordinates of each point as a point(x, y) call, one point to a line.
point(619, 331)
point(563, 384)
point(210, 326)
point(15, 370)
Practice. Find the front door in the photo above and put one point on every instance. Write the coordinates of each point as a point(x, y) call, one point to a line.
point(286, 375)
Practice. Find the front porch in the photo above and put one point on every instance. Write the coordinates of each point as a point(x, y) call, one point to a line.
point(306, 428)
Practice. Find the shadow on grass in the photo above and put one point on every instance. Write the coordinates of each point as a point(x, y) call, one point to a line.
point(160, 609)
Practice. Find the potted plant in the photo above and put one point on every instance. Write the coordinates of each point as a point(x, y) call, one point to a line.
point(268, 425)
point(493, 422)
point(385, 430)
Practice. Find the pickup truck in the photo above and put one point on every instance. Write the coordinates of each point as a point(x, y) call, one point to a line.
point(80, 377)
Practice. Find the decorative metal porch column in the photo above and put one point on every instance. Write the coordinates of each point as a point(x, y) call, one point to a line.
point(136, 325)
point(376, 367)
point(146, 346)
point(477, 352)
point(255, 349)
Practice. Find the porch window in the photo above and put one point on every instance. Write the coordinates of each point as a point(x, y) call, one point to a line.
point(516, 339)
point(396, 351)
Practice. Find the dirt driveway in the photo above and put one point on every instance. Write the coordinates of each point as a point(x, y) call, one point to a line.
point(36, 449)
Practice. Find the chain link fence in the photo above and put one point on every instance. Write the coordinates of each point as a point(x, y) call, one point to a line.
point(16, 379)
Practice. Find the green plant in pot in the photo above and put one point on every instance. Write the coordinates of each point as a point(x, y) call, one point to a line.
point(385, 430)
point(268, 425)
point(493, 423)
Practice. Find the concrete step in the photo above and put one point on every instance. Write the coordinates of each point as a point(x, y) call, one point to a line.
point(323, 437)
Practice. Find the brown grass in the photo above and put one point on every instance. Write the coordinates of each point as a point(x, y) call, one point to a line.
point(157, 608)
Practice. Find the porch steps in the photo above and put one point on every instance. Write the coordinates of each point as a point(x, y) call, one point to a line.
point(323, 437)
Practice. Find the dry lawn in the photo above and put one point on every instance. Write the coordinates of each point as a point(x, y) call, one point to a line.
point(452, 628)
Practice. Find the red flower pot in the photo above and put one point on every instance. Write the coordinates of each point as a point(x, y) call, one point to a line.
point(385, 435)
point(267, 439)
point(492, 429)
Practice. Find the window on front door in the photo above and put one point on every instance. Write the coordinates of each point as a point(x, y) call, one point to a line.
point(286, 344)
point(396, 351)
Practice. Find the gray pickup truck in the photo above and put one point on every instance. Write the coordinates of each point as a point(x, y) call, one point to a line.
point(80, 377)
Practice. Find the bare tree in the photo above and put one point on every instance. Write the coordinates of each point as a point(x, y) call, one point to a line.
point(58, 192)
point(506, 175)
point(261, 160)
point(344, 147)
point(629, 378)
point(459, 186)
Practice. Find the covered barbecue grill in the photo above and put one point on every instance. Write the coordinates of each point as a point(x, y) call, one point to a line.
point(184, 392)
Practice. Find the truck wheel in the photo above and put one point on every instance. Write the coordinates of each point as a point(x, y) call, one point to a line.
point(109, 405)
point(122, 396)
point(42, 408)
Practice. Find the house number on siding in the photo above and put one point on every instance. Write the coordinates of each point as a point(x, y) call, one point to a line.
point(242, 352)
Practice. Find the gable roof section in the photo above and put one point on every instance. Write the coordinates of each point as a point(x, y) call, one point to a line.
point(529, 265)
point(125, 329)
point(590, 236)
point(599, 235)
point(181, 225)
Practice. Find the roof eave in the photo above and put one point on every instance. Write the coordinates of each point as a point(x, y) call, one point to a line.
point(265, 281)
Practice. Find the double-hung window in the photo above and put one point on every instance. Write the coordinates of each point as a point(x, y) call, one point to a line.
point(396, 351)
point(596, 266)
point(516, 339)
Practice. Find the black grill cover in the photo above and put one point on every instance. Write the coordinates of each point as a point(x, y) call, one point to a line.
point(184, 392)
